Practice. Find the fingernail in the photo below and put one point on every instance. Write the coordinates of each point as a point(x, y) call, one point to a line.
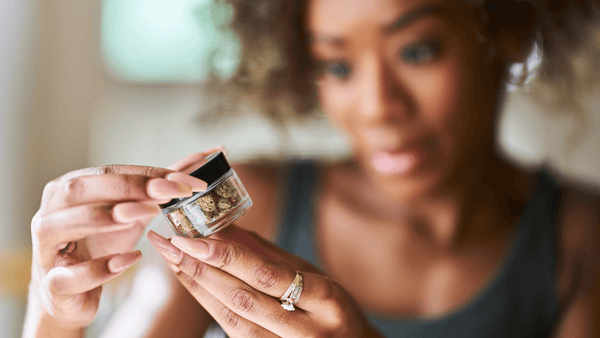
point(159, 188)
point(127, 212)
point(194, 247)
point(121, 262)
point(191, 181)
point(163, 246)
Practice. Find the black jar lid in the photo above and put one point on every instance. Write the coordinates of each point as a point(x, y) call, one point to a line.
point(215, 167)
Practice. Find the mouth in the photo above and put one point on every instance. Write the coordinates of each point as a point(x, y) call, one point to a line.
point(399, 161)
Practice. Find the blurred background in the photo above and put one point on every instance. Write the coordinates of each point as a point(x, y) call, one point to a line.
point(85, 83)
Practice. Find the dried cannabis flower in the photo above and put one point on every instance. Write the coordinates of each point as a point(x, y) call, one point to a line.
point(206, 212)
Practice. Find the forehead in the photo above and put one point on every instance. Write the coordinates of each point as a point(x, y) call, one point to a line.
point(339, 16)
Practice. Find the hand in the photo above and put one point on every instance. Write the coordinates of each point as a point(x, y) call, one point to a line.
point(238, 278)
point(88, 222)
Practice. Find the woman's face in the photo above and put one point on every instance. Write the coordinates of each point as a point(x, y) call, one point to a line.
point(402, 79)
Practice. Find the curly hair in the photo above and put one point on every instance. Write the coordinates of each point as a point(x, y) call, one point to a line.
point(276, 74)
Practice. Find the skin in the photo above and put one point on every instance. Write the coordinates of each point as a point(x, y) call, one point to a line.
point(440, 230)
point(88, 222)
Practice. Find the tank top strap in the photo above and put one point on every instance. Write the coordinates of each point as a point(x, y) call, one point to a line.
point(296, 234)
point(537, 225)
point(531, 274)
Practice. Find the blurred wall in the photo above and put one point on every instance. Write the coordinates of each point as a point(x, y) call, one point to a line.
point(59, 111)
point(49, 81)
point(18, 64)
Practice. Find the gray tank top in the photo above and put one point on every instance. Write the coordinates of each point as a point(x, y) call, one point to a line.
point(520, 302)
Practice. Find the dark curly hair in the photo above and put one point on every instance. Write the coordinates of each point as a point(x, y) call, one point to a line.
point(276, 75)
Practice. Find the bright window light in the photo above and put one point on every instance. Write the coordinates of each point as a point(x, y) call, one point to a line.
point(158, 41)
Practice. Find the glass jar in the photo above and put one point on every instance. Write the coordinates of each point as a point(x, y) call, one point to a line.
point(224, 201)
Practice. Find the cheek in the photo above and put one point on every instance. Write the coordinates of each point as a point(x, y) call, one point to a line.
point(337, 105)
point(443, 99)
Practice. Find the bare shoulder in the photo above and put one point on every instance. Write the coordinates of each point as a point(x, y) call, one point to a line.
point(262, 181)
point(578, 238)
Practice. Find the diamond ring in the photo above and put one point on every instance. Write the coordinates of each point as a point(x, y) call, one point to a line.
point(292, 294)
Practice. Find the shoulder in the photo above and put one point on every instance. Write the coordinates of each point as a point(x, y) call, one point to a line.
point(578, 240)
point(578, 263)
point(578, 219)
point(262, 181)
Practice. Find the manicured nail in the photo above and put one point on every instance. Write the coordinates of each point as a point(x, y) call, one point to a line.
point(194, 247)
point(121, 262)
point(159, 188)
point(191, 181)
point(130, 211)
point(164, 246)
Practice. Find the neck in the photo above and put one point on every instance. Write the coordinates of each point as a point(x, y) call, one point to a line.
point(472, 204)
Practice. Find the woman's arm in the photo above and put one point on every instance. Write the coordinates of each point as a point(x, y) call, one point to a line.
point(579, 260)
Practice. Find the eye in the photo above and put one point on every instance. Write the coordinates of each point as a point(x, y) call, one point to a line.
point(420, 53)
point(339, 69)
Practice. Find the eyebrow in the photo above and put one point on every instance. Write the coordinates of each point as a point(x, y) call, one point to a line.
point(395, 26)
point(412, 16)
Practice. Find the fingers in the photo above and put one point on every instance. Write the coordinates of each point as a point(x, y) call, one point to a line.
point(70, 178)
point(233, 293)
point(253, 242)
point(54, 185)
point(191, 162)
point(86, 276)
point(264, 275)
point(232, 323)
point(114, 188)
point(75, 223)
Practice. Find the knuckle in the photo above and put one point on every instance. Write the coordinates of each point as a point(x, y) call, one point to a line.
point(153, 172)
point(50, 188)
point(73, 187)
point(106, 170)
point(37, 223)
point(244, 300)
point(329, 292)
point(266, 276)
point(197, 270)
point(228, 256)
point(41, 231)
point(334, 304)
point(336, 316)
point(229, 318)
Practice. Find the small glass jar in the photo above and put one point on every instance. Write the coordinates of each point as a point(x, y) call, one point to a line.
point(224, 201)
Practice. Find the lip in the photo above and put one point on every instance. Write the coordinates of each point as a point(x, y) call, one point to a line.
point(398, 161)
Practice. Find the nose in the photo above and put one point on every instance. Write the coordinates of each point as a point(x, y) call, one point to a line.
point(382, 97)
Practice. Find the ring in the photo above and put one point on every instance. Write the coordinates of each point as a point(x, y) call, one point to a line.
point(292, 294)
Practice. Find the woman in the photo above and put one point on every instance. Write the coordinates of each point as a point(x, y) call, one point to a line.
point(425, 232)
